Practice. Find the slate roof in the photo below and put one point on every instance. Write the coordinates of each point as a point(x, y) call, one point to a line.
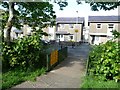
point(70, 20)
point(104, 19)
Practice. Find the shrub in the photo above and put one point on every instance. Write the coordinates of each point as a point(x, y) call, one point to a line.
point(104, 61)
point(24, 52)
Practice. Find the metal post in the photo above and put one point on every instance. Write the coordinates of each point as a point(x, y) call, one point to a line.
point(76, 25)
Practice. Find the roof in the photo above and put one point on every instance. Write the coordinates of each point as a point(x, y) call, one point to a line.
point(70, 20)
point(104, 19)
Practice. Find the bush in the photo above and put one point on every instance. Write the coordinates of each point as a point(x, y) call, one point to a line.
point(104, 61)
point(24, 52)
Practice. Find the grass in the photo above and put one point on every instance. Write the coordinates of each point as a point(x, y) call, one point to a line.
point(14, 77)
point(90, 82)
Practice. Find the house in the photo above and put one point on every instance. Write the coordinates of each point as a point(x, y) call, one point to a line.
point(100, 28)
point(69, 28)
point(16, 33)
point(51, 33)
point(85, 34)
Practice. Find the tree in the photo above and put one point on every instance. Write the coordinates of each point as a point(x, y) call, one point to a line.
point(3, 18)
point(35, 14)
point(61, 3)
point(101, 4)
point(95, 4)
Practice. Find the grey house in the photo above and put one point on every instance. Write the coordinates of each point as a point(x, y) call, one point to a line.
point(69, 28)
point(101, 27)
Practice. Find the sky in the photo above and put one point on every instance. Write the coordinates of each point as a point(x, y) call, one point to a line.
point(84, 10)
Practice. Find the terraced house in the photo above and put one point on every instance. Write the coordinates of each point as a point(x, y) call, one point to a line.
point(100, 28)
point(69, 28)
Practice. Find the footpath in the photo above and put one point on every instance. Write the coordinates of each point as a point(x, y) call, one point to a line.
point(68, 74)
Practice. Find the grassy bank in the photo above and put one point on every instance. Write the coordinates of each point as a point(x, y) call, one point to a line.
point(91, 82)
point(14, 77)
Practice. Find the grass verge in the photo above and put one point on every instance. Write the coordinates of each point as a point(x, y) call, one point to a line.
point(91, 82)
point(14, 77)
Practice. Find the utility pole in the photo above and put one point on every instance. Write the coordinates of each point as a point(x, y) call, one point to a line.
point(76, 30)
point(76, 17)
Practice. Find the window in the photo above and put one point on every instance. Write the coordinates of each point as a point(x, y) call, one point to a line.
point(99, 26)
point(61, 36)
point(111, 26)
point(71, 37)
point(58, 36)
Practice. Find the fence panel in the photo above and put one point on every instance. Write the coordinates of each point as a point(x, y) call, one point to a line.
point(62, 54)
point(55, 57)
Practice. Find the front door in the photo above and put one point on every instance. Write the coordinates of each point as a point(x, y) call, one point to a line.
point(97, 40)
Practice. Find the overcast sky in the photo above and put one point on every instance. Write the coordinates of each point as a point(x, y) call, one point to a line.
point(84, 10)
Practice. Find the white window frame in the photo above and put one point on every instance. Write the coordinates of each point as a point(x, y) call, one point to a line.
point(97, 25)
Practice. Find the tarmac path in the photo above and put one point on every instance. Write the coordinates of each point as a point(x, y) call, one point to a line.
point(68, 74)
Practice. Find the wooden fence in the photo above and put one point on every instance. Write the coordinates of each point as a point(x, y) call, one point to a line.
point(55, 57)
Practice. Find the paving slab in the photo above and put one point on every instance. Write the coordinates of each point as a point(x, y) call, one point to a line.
point(68, 74)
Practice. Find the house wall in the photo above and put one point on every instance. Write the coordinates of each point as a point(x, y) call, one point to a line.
point(86, 34)
point(26, 30)
point(51, 32)
point(101, 31)
point(13, 34)
point(71, 30)
point(93, 27)
point(103, 39)
point(117, 26)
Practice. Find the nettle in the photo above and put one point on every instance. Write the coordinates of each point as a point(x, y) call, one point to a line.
point(104, 61)
point(27, 52)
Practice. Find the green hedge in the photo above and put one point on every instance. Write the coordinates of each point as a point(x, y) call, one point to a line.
point(104, 61)
point(27, 52)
